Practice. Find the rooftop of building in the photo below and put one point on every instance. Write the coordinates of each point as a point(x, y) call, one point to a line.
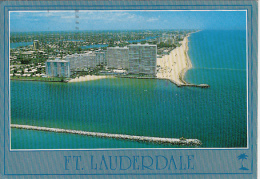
point(57, 60)
point(117, 47)
point(28, 52)
point(81, 54)
point(139, 44)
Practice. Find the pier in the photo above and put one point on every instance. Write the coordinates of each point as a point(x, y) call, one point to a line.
point(193, 85)
point(158, 140)
point(188, 84)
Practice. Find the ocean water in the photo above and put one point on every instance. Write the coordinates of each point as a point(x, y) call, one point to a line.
point(217, 115)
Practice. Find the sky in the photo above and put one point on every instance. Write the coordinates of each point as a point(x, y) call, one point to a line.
point(126, 20)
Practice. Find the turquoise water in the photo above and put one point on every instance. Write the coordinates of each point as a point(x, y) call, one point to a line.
point(20, 44)
point(216, 115)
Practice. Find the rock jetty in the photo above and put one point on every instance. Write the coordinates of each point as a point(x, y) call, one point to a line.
point(172, 141)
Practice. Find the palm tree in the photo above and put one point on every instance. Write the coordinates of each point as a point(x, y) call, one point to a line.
point(242, 157)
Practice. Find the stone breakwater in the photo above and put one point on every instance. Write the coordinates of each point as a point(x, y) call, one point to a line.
point(172, 141)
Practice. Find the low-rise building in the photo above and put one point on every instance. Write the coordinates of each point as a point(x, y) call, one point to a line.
point(27, 54)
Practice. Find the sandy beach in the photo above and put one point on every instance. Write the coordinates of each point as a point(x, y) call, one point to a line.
point(174, 66)
point(89, 78)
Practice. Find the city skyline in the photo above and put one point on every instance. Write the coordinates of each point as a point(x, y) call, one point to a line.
point(33, 21)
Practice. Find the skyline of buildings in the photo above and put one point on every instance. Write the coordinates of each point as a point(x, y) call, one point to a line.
point(132, 59)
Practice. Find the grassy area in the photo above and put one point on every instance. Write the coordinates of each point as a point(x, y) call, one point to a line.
point(27, 78)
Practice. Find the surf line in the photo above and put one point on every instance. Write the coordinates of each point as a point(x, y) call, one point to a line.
point(158, 140)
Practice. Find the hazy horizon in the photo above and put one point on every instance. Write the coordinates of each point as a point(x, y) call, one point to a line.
point(114, 20)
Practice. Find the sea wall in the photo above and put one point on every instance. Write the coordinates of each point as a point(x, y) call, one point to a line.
point(172, 141)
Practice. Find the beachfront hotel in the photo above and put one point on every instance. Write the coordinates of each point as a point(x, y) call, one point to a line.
point(57, 68)
point(142, 59)
point(117, 57)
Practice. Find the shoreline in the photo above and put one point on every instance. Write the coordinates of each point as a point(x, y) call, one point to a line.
point(157, 140)
point(189, 64)
point(174, 66)
point(89, 78)
point(40, 79)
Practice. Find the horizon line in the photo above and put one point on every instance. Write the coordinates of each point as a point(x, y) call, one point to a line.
point(127, 30)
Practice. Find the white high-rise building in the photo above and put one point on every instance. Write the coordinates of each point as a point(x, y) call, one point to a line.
point(142, 59)
point(117, 57)
point(82, 61)
point(57, 68)
point(101, 58)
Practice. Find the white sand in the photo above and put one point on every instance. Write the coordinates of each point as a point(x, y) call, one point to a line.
point(89, 78)
point(174, 65)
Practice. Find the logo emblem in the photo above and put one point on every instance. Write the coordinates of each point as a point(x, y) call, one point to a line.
point(242, 157)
